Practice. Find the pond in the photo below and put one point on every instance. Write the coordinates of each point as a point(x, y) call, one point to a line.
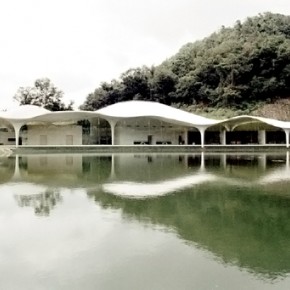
point(145, 221)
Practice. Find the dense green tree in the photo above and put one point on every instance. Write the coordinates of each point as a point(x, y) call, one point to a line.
point(106, 94)
point(43, 94)
point(236, 67)
point(135, 83)
point(162, 85)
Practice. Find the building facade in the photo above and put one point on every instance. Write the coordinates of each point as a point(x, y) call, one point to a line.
point(135, 123)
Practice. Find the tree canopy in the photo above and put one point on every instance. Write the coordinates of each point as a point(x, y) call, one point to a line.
point(236, 67)
point(43, 94)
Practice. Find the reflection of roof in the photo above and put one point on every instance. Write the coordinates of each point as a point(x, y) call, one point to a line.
point(278, 175)
point(145, 190)
point(148, 190)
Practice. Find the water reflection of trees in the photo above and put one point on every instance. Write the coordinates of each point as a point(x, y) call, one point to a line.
point(42, 203)
point(243, 227)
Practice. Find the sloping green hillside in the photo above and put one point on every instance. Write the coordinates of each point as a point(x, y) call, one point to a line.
point(235, 70)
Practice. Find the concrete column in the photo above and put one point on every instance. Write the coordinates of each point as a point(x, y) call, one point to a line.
point(202, 133)
point(185, 136)
point(287, 137)
point(17, 127)
point(223, 137)
point(92, 132)
point(113, 124)
point(262, 137)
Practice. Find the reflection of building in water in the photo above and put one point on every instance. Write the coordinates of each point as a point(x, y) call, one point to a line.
point(7, 169)
point(149, 167)
point(244, 228)
point(61, 170)
point(138, 176)
point(146, 190)
point(240, 225)
point(95, 170)
point(56, 164)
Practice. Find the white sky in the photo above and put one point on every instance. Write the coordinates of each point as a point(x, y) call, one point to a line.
point(78, 44)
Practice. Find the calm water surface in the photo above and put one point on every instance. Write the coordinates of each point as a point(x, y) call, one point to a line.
point(134, 221)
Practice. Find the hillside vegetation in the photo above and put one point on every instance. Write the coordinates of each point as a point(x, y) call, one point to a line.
point(236, 70)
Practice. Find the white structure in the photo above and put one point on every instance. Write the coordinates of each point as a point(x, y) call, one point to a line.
point(133, 123)
point(53, 135)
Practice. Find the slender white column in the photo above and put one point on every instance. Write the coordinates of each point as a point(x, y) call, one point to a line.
point(17, 127)
point(185, 136)
point(113, 124)
point(202, 132)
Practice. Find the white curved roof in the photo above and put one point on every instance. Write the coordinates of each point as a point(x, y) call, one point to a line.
point(131, 109)
point(64, 116)
point(272, 122)
point(24, 112)
point(39, 114)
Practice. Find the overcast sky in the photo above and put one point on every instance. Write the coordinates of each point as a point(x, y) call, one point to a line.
point(78, 44)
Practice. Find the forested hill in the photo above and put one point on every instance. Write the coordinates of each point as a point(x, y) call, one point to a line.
point(234, 70)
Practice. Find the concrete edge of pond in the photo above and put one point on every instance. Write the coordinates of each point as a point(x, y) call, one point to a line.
point(147, 149)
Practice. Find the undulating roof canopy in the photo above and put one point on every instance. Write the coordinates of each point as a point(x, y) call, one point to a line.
point(128, 109)
point(133, 109)
point(24, 112)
